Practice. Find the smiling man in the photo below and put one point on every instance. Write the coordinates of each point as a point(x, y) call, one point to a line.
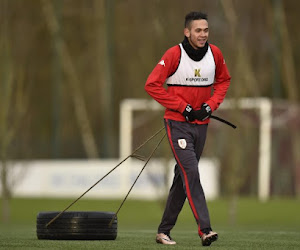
point(190, 70)
point(197, 32)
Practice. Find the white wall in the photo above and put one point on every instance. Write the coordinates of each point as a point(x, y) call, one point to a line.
point(71, 178)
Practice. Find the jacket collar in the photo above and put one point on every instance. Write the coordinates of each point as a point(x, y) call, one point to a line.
point(194, 54)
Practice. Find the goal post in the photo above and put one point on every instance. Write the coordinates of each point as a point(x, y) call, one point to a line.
point(263, 105)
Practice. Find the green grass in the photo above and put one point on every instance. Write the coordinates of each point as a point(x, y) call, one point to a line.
point(271, 225)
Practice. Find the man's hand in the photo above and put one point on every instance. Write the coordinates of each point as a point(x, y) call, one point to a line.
point(203, 113)
point(189, 113)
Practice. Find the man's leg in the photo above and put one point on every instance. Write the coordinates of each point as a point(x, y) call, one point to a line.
point(209, 236)
point(174, 204)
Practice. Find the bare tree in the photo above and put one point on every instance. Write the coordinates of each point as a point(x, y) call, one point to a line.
point(73, 84)
point(289, 74)
point(236, 174)
point(12, 109)
point(6, 132)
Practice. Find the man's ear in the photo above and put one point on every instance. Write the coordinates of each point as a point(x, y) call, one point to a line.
point(186, 32)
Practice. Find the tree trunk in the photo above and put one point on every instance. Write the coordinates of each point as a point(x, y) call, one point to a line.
point(236, 176)
point(5, 191)
point(5, 97)
point(291, 85)
point(74, 85)
point(243, 64)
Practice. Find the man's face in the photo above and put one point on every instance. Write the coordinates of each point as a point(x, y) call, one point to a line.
point(197, 33)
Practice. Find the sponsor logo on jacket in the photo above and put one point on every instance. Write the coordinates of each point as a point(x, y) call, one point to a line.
point(197, 77)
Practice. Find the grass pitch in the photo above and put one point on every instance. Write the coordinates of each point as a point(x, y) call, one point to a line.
point(271, 225)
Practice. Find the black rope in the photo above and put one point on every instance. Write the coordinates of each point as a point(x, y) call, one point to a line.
point(131, 155)
point(150, 156)
point(222, 120)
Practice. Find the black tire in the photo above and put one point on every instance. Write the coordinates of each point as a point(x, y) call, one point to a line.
point(77, 226)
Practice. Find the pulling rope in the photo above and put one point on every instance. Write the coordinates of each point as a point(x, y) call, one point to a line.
point(131, 155)
point(150, 156)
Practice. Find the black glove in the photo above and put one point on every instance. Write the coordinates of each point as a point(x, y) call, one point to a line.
point(203, 113)
point(189, 113)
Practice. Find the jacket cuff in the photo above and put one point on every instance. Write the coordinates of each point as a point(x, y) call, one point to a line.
point(212, 105)
point(182, 107)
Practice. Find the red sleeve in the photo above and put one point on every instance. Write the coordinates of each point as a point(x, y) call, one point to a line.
point(154, 84)
point(222, 79)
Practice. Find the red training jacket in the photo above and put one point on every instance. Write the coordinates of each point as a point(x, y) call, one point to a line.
point(175, 98)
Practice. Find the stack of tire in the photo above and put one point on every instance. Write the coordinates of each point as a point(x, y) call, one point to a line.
point(77, 225)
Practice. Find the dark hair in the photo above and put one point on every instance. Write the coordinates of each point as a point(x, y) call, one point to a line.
point(194, 16)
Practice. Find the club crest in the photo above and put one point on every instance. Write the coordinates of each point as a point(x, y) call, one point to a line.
point(182, 143)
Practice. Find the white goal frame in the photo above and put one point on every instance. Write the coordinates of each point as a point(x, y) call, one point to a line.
point(263, 105)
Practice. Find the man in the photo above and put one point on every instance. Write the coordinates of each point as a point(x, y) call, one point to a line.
point(190, 70)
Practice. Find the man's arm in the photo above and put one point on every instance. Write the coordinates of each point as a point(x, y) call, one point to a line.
point(154, 84)
point(222, 79)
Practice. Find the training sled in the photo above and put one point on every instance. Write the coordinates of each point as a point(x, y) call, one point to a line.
point(77, 225)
